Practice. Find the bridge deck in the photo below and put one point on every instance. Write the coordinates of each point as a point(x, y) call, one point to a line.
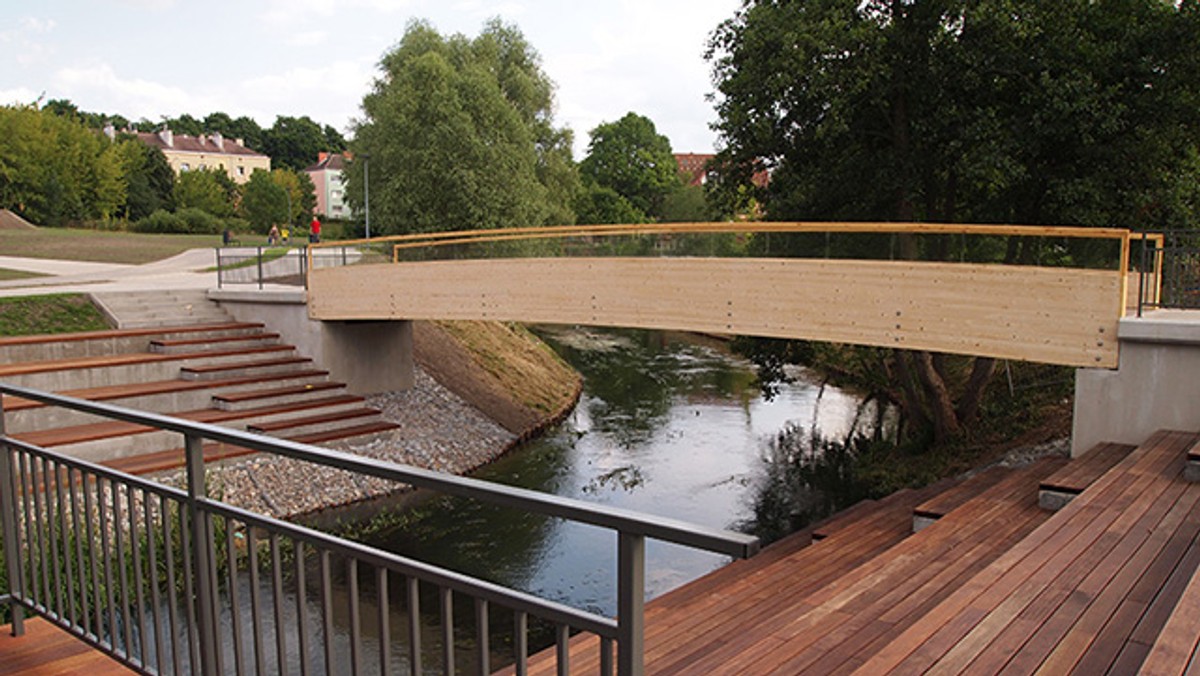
point(46, 649)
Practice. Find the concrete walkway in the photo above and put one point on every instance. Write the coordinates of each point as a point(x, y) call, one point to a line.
point(183, 271)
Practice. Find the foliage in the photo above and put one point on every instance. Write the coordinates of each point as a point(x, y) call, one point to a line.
point(459, 135)
point(630, 157)
point(206, 189)
point(57, 313)
point(264, 202)
point(596, 204)
point(685, 204)
point(149, 179)
point(983, 111)
point(186, 221)
point(293, 142)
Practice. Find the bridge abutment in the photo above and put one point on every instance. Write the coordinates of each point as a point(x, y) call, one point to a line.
point(1155, 386)
point(369, 356)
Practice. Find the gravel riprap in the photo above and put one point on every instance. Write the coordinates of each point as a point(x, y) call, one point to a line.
point(438, 431)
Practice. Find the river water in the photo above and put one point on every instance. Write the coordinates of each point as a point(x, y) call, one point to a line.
point(668, 424)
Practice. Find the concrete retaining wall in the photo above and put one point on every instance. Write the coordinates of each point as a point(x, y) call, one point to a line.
point(1156, 386)
point(369, 356)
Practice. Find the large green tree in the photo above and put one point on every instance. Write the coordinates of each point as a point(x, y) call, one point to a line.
point(630, 157)
point(293, 142)
point(458, 134)
point(1022, 111)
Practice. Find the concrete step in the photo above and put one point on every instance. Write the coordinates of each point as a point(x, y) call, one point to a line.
point(1191, 471)
point(59, 375)
point(357, 432)
point(108, 439)
point(14, 349)
point(317, 423)
point(178, 346)
point(244, 368)
point(279, 394)
point(147, 309)
point(159, 396)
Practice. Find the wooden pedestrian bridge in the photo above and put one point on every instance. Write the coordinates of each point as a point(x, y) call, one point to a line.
point(1083, 565)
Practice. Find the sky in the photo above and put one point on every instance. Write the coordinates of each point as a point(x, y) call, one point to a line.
point(262, 58)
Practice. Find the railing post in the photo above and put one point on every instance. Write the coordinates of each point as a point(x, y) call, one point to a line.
point(8, 514)
point(260, 272)
point(202, 555)
point(631, 599)
point(219, 275)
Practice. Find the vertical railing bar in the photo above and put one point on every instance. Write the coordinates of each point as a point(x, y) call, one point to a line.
point(301, 606)
point(277, 599)
point(12, 545)
point(155, 596)
point(235, 611)
point(327, 611)
point(85, 614)
point(172, 594)
point(106, 552)
point(189, 584)
point(67, 564)
point(447, 599)
point(631, 597)
point(214, 595)
point(255, 601)
point(52, 526)
point(25, 470)
point(606, 656)
point(355, 620)
point(47, 599)
point(385, 627)
point(97, 606)
point(414, 624)
point(482, 636)
point(521, 642)
point(260, 268)
point(562, 649)
point(123, 570)
point(137, 573)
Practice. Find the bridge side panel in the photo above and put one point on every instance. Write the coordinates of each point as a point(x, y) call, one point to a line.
point(1055, 315)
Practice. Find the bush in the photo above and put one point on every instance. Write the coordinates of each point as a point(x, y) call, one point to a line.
point(160, 222)
point(200, 222)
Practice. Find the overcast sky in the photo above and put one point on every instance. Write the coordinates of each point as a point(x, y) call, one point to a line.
point(262, 58)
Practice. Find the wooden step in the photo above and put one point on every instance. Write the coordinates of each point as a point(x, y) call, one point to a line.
point(345, 433)
point(312, 424)
point(162, 346)
point(946, 501)
point(235, 400)
point(247, 368)
point(1062, 487)
point(108, 334)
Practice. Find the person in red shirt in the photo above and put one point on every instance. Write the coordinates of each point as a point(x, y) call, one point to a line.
point(314, 231)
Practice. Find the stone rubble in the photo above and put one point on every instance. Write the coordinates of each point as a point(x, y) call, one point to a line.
point(438, 430)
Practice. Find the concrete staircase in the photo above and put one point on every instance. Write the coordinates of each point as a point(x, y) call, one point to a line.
point(142, 309)
point(226, 373)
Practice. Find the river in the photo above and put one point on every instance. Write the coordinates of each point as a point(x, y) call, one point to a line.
point(668, 424)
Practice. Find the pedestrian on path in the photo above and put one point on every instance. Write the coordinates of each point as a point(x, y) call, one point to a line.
point(314, 231)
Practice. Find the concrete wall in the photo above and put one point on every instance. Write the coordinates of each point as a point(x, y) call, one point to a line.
point(369, 356)
point(1156, 386)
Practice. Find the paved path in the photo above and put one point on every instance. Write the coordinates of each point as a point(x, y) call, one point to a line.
point(183, 271)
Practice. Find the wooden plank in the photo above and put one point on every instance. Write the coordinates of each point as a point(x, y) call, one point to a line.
point(106, 334)
point(954, 308)
point(1179, 643)
point(46, 649)
point(1085, 469)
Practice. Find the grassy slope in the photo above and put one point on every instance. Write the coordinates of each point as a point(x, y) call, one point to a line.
point(99, 247)
point(57, 313)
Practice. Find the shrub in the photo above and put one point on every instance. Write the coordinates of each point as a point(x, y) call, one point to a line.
point(199, 222)
point(161, 221)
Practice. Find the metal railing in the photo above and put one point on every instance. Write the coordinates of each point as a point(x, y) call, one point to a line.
point(261, 265)
point(1169, 270)
point(171, 580)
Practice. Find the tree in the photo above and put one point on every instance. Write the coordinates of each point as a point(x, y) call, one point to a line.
point(458, 133)
point(960, 111)
point(293, 142)
point(597, 205)
point(264, 202)
point(206, 189)
point(630, 157)
point(149, 179)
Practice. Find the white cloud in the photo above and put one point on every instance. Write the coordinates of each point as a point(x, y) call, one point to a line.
point(308, 39)
point(36, 25)
point(328, 94)
point(18, 96)
point(295, 12)
point(21, 43)
point(99, 87)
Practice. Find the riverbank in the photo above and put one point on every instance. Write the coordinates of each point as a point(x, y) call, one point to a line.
point(480, 389)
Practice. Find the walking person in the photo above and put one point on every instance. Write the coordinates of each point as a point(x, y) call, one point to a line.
point(314, 231)
point(273, 235)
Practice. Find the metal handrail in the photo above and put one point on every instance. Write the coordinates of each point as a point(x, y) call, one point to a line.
point(25, 471)
point(1169, 272)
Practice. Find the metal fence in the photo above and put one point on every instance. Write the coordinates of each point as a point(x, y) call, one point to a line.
point(1169, 270)
point(174, 581)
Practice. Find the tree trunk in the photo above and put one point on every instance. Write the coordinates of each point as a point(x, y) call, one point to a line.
point(941, 405)
point(972, 397)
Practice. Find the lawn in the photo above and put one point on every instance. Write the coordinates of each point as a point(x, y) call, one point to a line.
point(54, 313)
point(98, 246)
point(6, 275)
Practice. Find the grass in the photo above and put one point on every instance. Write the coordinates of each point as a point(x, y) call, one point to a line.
point(251, 260)
point(55, 313)
point(6, 275)
point(99, 246)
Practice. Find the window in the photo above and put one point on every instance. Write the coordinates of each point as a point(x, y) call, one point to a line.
point(183, 166)
point(241, 171)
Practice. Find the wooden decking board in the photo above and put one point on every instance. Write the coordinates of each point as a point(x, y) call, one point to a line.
point(236, 397)
point(313, 420)
point(321, 437)
point(947, 500)
point(1177, 647)
point(236, 366)
point(263, 335)
point(46, 649)
point(959, 540)
point(1021, 585)
point(965, 624)
point(1057, 627)
point(1082, 471)
point(943, 627)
